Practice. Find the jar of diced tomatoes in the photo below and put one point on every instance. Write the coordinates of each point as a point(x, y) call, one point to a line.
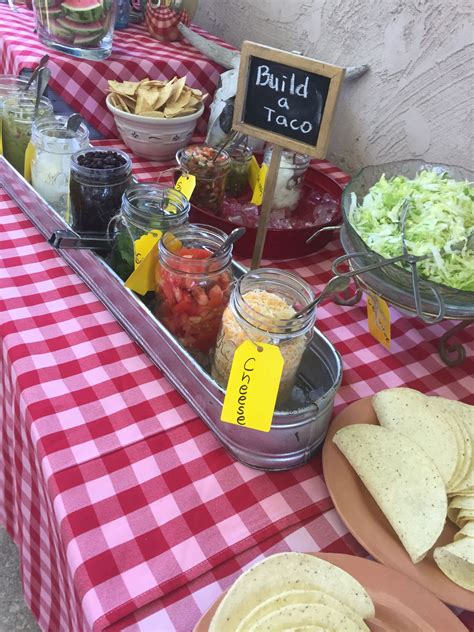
point(210, 168)
point(193, 286)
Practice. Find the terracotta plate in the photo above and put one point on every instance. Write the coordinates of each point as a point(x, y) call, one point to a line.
point(400, 604)
point(367, 523)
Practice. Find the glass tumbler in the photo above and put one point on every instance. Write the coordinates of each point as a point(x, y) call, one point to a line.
point(17, 121)
point(51, 164)
point(82, 28)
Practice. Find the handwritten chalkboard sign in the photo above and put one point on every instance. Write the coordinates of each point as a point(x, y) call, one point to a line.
point(286, 99)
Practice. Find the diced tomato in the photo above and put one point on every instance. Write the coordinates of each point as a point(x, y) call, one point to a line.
point(216, 296)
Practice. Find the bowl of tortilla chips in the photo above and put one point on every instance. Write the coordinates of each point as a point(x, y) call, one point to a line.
point(155, 118)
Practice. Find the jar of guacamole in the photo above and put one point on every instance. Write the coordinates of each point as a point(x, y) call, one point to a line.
point(17, 120)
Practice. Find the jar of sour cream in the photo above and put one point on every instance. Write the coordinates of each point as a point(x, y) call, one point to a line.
point(290, 178)
point(51, 164)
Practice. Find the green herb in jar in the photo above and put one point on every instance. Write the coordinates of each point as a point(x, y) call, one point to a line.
point(237, 178)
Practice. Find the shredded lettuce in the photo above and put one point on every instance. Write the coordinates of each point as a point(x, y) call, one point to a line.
point(439, 222)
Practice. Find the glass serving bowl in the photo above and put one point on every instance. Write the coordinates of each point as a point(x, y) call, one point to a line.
point(392, 282)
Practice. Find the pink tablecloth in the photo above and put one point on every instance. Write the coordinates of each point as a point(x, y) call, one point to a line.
point(83, 84)
point(126, 510)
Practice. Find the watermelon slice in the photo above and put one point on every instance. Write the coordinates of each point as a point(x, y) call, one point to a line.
point(89, 29)
point(83, 10)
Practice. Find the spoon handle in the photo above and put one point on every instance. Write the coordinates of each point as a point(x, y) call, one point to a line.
point(42, 63)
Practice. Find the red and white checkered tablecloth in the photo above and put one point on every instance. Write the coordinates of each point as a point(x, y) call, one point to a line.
point(83, 83)
point(127, 512)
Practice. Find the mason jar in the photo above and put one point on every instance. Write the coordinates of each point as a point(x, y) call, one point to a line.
point(51, 163)
point(237, 178)
point(261, 309)
point(290, 179)
point(210, 168)
point(193, 286)
point(145, 208)
point(10, 84)
point(81, 29)
point(99, 178)
point(17, 120)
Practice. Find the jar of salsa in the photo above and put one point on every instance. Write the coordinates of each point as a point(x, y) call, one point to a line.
point(51, 163)
point(261, 309)
point(193, 286)
point(210, 169)
point(99, 177)
point(237, 178)
point(17, 120)
point(145, 208)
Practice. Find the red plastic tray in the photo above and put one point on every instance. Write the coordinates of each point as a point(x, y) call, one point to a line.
point(284, 243)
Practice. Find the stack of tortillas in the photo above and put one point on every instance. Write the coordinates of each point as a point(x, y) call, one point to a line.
point(421, 453)
point(290, 591)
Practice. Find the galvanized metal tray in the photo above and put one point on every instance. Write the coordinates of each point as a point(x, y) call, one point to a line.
point(295, 434)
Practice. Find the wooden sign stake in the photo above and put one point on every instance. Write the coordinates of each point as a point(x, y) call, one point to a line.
point(269, 190)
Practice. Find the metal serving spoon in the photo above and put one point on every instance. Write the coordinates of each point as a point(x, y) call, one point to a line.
point(234, 236)
point(334, 286)
point(41, 64)
point(44, 75)
point(73, 123)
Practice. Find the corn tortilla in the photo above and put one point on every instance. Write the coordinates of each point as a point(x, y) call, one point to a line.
point(286, 571)
point(456, 560)
point(403, 481)
point(303, 615)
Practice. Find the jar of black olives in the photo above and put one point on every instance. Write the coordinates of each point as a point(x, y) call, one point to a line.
point(99, 177)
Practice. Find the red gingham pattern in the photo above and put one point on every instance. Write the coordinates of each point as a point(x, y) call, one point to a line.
point(127, 512)
point(163, 23)
point(83, 83)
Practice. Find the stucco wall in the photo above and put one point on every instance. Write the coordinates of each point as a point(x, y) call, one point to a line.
point(416, 100)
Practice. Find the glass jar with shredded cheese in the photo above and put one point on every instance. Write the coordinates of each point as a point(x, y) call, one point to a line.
point(261, 309)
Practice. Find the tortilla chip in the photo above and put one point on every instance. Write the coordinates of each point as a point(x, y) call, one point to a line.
point(402, 479)
point(177, 89)
point(164, 95)
point(149, 94)
point(456, 560)
point(153, 114)
point(127, 88)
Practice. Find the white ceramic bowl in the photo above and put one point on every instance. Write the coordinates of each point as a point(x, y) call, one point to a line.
point(154, 138)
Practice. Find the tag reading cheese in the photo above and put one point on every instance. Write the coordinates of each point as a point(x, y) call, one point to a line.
point(378, 316)
point(253, 386)
point(29, 155)
point(257, 196)
point(254, 170)
point(186, 185)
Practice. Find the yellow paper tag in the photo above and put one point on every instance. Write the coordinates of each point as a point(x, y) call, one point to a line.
point(378, 316)
point(142, 246)
point(257, 196)
point(1, 142)
point(186, 185)
point(254, 170)
point(29, 155)
point(145, 255)
point(253, 386)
